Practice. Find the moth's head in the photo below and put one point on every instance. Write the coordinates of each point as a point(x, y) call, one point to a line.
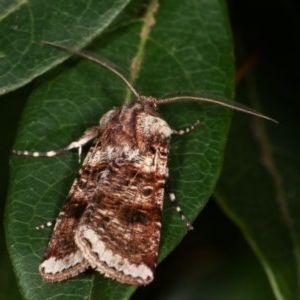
point(147, 100)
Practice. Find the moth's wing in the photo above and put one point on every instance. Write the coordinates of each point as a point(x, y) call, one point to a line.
point(119, 231)
point(63, 259)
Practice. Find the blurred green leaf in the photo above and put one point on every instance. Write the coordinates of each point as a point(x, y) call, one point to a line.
point(259, 187)
point(213, 262)
point(180, 46)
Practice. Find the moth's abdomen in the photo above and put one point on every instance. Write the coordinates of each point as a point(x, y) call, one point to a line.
point(119, 231)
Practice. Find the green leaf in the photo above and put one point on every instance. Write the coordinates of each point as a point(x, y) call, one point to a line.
point(25, 24)
point(259, 186)
point(177, 46)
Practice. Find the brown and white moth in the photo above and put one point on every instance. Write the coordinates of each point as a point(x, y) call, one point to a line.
point(111, 218)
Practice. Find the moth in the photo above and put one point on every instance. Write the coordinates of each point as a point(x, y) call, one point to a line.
point(111, 218)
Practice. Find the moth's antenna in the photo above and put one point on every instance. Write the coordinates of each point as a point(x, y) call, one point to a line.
point(114, 69)
point(97, 60)
point(215, 100)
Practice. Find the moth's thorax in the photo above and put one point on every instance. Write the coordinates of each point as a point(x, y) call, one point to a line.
point(136, 124)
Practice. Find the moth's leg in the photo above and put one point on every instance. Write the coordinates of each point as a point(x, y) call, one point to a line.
point(170, 195)
point(45, 225)
point(88, 135)
point(187, 129)
point(174, 202)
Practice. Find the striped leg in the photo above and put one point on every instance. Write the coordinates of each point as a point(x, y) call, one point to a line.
point(187, 129)
point(171, 195)
point(88, 135)
point(46, 225)
point(174, 202)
